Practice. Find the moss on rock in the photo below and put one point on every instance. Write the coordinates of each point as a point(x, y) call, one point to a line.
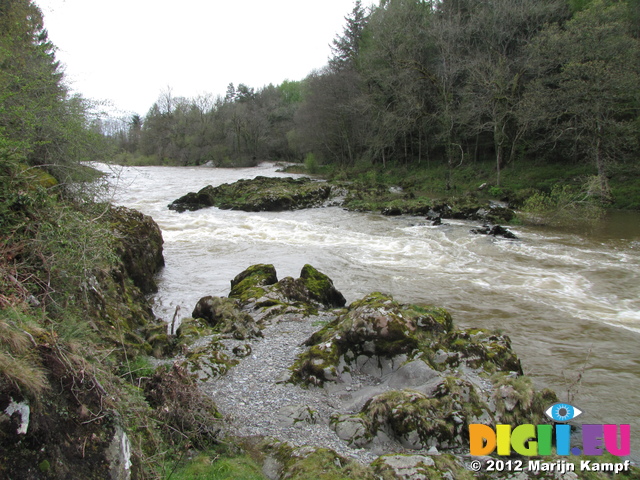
point(375, 326)
point(139, 246)
point(257, 195)
point(320, 287)
point(248, 284)
point(224, 316)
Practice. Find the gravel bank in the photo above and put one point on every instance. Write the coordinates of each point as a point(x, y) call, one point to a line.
point(255, 400)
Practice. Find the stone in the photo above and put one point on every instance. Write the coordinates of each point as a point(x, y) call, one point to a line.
point(224, 315)
point(119, 455)
point(352, 429)
point(405, 467)
point(140, 246)
point(495, 230)
point(412, 374)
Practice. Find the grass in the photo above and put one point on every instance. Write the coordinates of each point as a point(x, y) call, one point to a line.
point(214, 466)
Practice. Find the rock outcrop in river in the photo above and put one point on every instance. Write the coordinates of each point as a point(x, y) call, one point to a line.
point(277, 194)
point(257, 195)
point(382, 389)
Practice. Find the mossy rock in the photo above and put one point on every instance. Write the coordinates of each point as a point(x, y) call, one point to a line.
point(257, 195)
point(224, 316)
point(479, 348)
point(516, 401)
point(420, 421)
point(208, 362)
point(247, 284)
point(258, 288)
point(139, 246)
point(320, 287)
point(191, 329)
point(375, 326)
point(311, 463)
point(414, 419)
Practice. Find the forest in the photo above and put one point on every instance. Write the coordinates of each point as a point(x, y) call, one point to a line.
point(416, 83)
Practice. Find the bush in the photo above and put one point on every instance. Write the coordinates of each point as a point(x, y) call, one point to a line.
point(564, 205)
point(311, 164)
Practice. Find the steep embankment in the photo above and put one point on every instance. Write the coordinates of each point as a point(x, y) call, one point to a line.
point(78, 396)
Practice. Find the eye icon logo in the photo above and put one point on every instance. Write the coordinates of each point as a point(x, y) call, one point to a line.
point(562, 412)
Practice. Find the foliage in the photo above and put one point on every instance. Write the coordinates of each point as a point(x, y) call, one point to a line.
point(311, 164)
point(564, 205)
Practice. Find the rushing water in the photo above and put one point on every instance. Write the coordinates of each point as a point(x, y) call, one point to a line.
point(570, 301)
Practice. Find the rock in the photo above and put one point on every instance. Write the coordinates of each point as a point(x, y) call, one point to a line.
point(412, 374)
point(225, 317)
point(352, 429)
point(247, 284)
point(320, 288)
point(293, 414)
point(119, 455)
point(404, 467)
point(257, 195)
point(208, 361)
point(258, 287)
point(140, 246)
point(495, 230)
point(418, 421)
point(193, 328)
point(371, 333)
point(21, 412)
point(242, 351)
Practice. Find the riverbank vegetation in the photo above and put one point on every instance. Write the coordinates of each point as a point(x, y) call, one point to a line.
point(79, 396)
point(458, 92)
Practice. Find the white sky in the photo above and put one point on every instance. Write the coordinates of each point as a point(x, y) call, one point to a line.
point(128, 51)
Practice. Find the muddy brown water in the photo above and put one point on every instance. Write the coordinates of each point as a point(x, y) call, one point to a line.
point(568, 298)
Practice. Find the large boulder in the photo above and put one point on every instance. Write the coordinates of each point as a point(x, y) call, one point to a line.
point(257, 195)
point(139, 246)
point(376, 327)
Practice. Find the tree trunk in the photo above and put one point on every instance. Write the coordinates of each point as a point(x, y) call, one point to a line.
point(605, 191)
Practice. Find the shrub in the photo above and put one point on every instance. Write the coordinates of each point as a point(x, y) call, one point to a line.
point(311, 164)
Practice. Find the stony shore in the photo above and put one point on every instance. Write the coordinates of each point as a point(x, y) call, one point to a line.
point(385, 389)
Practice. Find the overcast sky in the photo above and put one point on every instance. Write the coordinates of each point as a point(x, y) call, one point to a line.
point(128, 51)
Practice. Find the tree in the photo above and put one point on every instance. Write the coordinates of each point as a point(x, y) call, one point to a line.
point(346, 47)
point(495, 59)
point(585, 95)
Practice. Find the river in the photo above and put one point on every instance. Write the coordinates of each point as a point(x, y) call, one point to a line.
point(569, 300)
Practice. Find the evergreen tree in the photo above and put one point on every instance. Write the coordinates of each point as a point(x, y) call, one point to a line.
point(346, 47)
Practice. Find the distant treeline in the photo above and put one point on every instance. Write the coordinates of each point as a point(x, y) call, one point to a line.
point(415, 81)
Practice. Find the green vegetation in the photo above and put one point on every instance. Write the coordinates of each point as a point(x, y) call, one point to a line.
point(213, 466)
